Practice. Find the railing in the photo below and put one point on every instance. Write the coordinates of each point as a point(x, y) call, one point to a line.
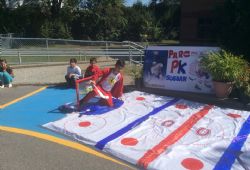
point(133, 46)
point(42, 50)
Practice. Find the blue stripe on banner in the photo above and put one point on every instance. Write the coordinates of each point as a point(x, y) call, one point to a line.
point(234, 150)
point(103, 142)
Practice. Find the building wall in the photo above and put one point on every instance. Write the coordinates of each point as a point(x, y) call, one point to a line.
point(197, 20)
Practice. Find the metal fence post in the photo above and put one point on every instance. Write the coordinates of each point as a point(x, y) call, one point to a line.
point(79, 57)
point(106, 52)
point(130, 59)
point(47, 47)
point(141, 58)
point(19, 57)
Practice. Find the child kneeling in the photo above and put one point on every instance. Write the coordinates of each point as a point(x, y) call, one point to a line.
point(110, 85)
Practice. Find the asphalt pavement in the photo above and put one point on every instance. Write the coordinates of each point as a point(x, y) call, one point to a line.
point(24, 152)
point(21, 152)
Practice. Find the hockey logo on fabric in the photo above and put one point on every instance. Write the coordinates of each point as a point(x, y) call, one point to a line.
point(203, 131)
point(167, 123)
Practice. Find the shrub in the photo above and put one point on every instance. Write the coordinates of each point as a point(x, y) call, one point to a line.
point(223, 66)
point(243, 83)
point(136, 71)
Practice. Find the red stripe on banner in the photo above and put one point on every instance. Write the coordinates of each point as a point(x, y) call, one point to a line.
point(176, 135)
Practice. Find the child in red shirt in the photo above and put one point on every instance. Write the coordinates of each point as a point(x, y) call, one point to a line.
point(92, 69)
point(110, 85)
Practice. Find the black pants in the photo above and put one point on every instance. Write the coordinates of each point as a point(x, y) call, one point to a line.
point(70, 81)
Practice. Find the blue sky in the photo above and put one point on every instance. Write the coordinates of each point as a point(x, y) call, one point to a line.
point(130, 2)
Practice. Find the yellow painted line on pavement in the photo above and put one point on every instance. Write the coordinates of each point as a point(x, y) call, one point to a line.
point(60, 141)
point(23, 97)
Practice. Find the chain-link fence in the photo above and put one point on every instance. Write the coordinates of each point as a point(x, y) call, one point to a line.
point(41, 50)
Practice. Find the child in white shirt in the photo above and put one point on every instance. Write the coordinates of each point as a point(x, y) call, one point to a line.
point(73, 73)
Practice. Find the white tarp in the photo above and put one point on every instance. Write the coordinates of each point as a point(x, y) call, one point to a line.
point(179, 134)
point(105, 124)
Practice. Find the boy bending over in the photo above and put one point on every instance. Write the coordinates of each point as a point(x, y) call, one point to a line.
point(110, 85)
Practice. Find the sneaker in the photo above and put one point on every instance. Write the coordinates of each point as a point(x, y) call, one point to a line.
point(9, 85)
point(2, 86)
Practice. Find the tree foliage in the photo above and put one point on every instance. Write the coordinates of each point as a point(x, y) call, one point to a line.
point(233, 26)
point(91, 19)
point(142, 26)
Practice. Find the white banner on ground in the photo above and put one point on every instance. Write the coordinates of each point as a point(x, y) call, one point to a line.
point(177, 68)
point(156, 132)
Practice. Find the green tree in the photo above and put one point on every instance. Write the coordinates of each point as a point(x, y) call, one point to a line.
point(167, 14)
point(28, 20)
point(91, 19)
point(233, 26)
point(3, 4)
point(100, 20)
point(59, 14)
point(141, 24)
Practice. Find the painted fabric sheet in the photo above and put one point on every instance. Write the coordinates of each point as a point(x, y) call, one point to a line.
point(92, 128)
point(177, 134)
